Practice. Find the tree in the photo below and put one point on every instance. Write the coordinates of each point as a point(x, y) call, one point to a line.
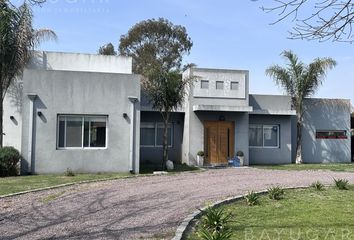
point(17, 40)
point(107, 49)
point(300, 81)
point(328, 20)
point(157, 48)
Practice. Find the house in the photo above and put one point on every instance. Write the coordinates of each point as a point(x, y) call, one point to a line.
point(86, 112)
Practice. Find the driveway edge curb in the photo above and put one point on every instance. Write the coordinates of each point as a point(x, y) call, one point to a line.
point(186, 223)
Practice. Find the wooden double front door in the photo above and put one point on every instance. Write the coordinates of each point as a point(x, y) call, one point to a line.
point(218, 141)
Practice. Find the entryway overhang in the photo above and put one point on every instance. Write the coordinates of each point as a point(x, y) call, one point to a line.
point(221, 108)
point(273, 112)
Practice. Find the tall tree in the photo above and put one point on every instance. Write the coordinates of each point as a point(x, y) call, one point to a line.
point(317, 19)
point(107, 49)
point(17, 40)
point(299, 81)
point(157, 48)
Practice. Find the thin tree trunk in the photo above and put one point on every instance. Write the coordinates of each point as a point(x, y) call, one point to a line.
point(299, 139)
point(165, 139)
point(1, 121)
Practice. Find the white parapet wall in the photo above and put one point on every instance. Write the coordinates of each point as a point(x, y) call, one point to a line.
point(80, 62)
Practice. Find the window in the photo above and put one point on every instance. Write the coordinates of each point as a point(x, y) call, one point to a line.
point(151, 134)
point(82, 131)
point(234, 86)
point(219, 85)
point(266, 136)
point(204, 84)
point(332, 134)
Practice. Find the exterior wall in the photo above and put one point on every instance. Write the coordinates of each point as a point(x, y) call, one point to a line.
point(326, 114)
point(270, 102)
point(12, 107)
point(193, 134)
point(154, 154)
point(281, 155)
point(65, 92)
point(80, 62)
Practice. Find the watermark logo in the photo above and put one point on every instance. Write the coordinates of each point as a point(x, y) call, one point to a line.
point(299, 234)
point(73, 6)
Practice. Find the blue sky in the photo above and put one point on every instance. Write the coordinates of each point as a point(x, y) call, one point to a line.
point(226, 34)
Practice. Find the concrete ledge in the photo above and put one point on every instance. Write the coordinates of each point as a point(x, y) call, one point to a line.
point(217, 108)
point(186, 224)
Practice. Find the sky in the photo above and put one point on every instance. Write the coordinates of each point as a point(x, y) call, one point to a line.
point(231, 34)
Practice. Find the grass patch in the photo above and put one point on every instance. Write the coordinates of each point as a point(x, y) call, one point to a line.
point(52, 197)
point(23, 183)
point(301, 214)
point(338, 167)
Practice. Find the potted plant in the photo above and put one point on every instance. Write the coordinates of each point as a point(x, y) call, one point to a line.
point(241, 157)
point(200, 158)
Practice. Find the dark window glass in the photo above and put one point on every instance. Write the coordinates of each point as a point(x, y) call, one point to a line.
point(147, 134)
point(61, 133)
point(159, 137)
point(73, 132)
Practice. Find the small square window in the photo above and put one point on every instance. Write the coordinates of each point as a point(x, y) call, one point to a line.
point(204, 84)
point(234, 85)
point(219, 85)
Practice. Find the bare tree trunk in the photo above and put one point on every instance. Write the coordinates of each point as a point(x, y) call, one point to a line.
point(1, 121)
point(299, 139)
point(166, 117)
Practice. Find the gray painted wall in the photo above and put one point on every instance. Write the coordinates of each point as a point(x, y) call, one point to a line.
point(154, 154)
point(80, 62)
point(65, 92)
point(193, 134)
point(12, 107)
point(281, 155)
point(326, 114)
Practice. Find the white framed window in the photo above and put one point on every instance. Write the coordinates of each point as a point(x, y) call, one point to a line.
point(234, 85)
point(219, 85)
point(151, 134)
point(204, 84)
point(264, 136)
point(81, 131)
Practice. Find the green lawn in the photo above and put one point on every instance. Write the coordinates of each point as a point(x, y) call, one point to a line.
point(343, 167)
point(23, 183)
point(302, 214)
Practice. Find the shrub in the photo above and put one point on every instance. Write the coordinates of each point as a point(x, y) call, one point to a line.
point(214, 225)
point(318, 186)
point(275, 193)
point(251, 198)
point(239, 154)
point(200, 153)
point(69, 173)
point(9, 159)
point(342, 184)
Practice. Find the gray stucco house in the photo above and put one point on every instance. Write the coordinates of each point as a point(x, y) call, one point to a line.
point(87, 112)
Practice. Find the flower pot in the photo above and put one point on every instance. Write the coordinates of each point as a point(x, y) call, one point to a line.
point(200, 161)
point(242, 160)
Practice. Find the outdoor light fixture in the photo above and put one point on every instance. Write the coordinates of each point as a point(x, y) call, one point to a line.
point(12, 118)
point(40, 114)
point(125, 115)
point(222, 118)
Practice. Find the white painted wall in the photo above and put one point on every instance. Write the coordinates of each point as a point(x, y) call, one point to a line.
point(81, 62)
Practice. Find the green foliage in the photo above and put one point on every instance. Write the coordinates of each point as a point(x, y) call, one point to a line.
point(214, 224)
point(107, 49)
point(200, 153)
point(300, 81)
point(9, 159)
point(69, 173)
point(155, 44)
point(317, 185)
point(18, 39)
point(341, 183)
point(275, 193)
point(240, 154)
point(157, 48)
point(252, 198)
